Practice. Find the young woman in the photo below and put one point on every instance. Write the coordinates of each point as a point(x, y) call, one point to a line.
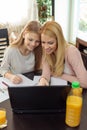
point(20, 57)
point(60, 59)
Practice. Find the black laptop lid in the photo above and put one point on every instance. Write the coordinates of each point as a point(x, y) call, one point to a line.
point(38, 98)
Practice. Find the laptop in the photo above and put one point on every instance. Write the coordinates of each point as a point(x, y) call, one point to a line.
point(38, 99)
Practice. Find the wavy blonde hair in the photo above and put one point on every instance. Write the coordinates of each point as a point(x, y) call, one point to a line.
point(56, 59)
point(33, 27)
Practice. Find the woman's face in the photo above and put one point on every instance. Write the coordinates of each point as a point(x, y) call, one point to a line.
point(48, 43)
point(31, 40)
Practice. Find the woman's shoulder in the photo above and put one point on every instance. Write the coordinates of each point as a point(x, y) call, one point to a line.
point(72, 53)
point(71, 49)
point(10, 50)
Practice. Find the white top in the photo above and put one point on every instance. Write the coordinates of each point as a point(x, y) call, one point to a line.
point(17, 63)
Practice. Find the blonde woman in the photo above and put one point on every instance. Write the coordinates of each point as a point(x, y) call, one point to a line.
point(60, 59)
point(20, 57)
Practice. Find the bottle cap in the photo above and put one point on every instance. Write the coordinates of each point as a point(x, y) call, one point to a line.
point(75, 84)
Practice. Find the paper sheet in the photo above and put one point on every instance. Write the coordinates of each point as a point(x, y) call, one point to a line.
point(26, 82)
point(53, 81)
point(58, 81)
point(3, 92)
point(36, 79)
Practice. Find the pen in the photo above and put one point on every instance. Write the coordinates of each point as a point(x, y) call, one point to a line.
point(2, 90)
point(4, 84)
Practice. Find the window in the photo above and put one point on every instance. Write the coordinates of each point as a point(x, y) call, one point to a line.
point(69, 14)
point(82, 31)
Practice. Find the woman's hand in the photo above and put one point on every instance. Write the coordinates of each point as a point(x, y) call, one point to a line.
point(16, 79)
point(43, 82)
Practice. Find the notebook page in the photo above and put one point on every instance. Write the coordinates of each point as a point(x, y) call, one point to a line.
point(36, 79)
point(58, 81)
point(26, 82)
point(3, 92)
point(53, 81)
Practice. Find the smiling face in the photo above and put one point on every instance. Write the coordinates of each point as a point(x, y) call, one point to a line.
point(48, 43)
point(31, 40)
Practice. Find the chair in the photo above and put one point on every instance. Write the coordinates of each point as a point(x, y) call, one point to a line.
point(4, 42)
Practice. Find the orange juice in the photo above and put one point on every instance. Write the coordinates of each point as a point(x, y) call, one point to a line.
point(77, 92)
point(3, 121)
point(73, 110)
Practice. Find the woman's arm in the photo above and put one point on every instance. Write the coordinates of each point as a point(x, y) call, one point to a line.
point(69, 78)
point(45, 77)
point(5, 65)
point(75, 61)
point(5, 68)
point(12, 77)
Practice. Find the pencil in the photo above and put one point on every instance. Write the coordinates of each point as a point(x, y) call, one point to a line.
point(4, 84)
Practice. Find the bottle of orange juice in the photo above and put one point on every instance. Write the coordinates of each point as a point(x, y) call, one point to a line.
point(74, 105)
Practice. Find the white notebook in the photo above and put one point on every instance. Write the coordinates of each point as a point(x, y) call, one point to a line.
point(26, 82)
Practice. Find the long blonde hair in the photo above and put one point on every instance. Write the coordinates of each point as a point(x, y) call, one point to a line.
point(55, 60)
point(33, 27)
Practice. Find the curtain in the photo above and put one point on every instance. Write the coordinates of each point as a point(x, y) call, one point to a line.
point(32, 10)
point(18, 11)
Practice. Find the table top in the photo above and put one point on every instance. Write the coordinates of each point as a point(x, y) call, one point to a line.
point(42, 121)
